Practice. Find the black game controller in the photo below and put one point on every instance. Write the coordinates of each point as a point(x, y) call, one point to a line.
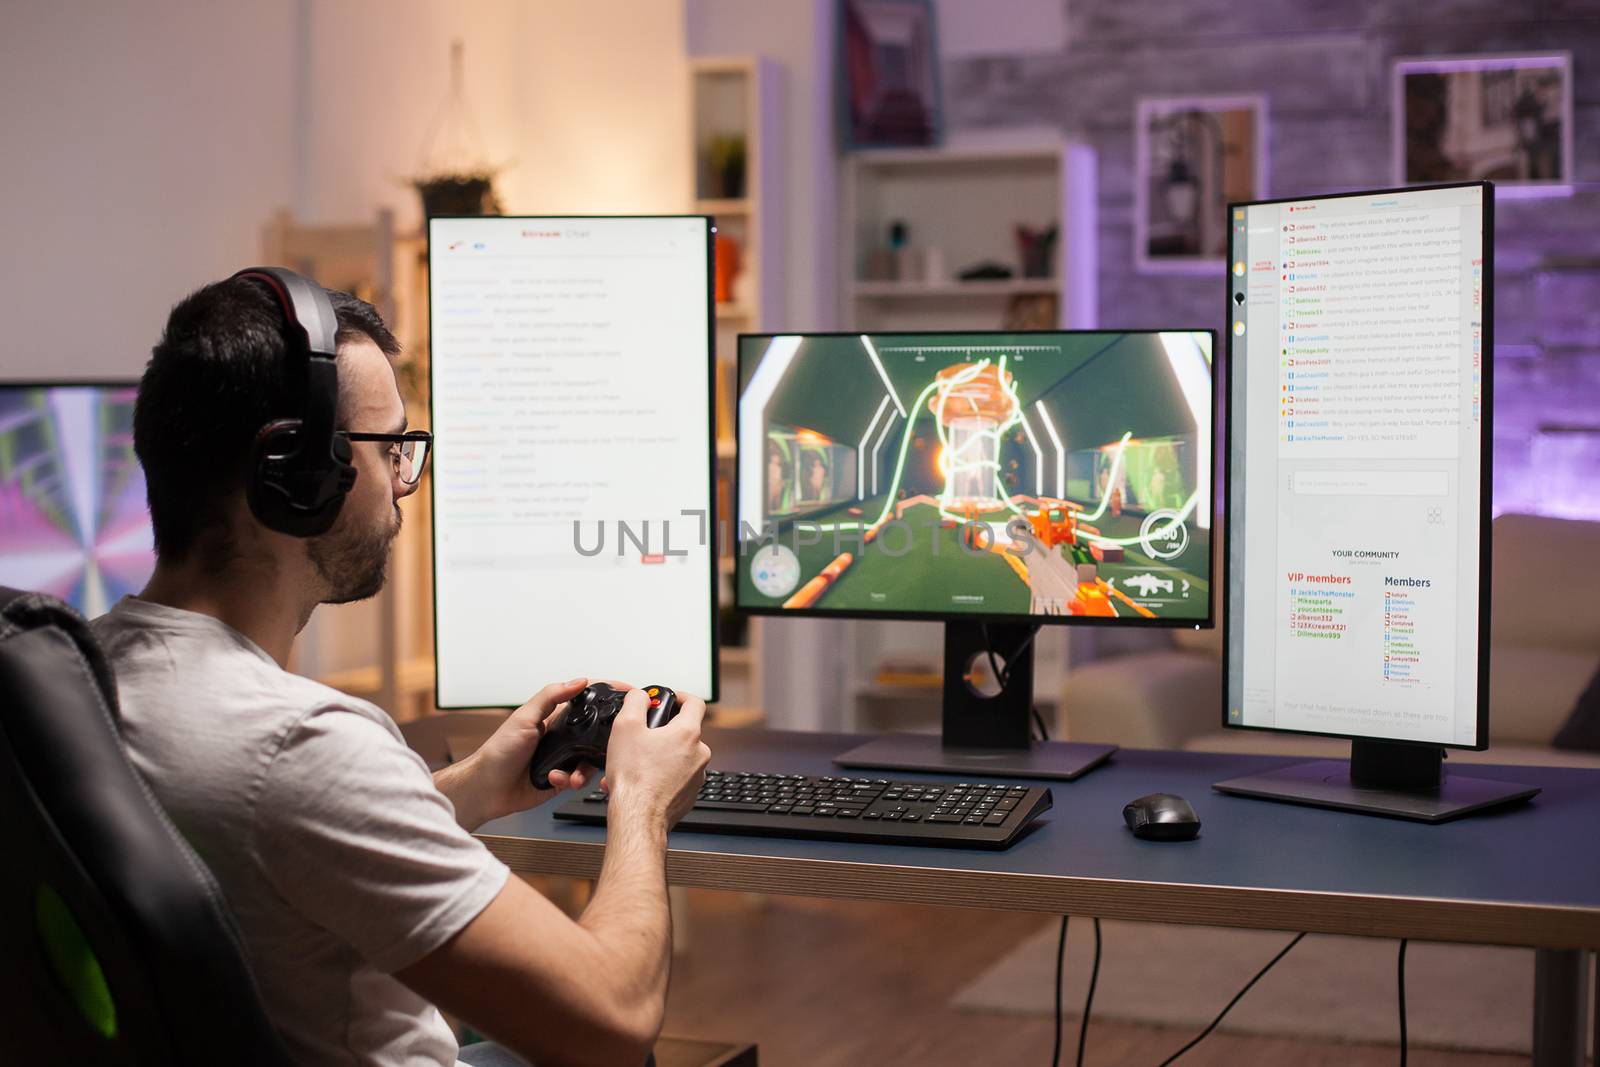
point(585, 729)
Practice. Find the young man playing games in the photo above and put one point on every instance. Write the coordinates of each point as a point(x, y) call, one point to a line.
point(363, 898)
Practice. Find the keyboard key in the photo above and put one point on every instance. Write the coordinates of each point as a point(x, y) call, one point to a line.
point(944, 818)
point(728, 805)
point(803, 809)
point(994, 820)
point(872, 815)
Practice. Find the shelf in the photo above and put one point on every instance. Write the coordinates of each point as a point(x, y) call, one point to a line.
point(985, 287)
point(737, 655)
point(411, 676)
point(726, 448)
point(962, 155)
point(738, 206)
point(732, 311)
point(725, 565)
point(734, 716)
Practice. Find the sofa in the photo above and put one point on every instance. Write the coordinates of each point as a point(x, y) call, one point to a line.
point(1544, 649)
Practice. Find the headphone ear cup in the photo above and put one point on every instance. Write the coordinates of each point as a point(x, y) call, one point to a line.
point(267, 489)
point(291, 501)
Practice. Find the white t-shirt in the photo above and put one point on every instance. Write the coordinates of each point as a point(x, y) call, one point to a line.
point(341, 861)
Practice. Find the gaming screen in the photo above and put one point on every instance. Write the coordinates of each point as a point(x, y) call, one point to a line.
point(995, 474)
point(73, 517)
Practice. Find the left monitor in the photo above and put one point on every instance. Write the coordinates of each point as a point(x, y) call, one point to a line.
point(74, 521)
point(573, 479)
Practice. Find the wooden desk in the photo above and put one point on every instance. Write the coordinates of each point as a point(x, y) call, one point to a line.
point(1528, 876)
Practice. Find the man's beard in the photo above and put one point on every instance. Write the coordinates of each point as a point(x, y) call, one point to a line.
point(353, 562)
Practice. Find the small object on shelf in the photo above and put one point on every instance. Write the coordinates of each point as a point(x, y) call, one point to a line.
point(881, 265)
point(1037, 251)
point(1032, 311)
point(988, 270)
point(725, 159)
point(911, 264)
point(727, 267)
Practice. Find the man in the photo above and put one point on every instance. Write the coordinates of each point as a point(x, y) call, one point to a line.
point(360, 892)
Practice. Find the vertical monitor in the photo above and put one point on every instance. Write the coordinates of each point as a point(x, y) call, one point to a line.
point(1360, 346)
point(573, 478)
point(1033, 477)
point(74, 521)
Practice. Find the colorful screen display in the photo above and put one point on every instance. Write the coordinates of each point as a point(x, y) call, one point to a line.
point(73, 517)
point(1026, 474)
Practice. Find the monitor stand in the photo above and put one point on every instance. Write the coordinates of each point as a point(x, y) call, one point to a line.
point(1381, 778)
point(987, 724)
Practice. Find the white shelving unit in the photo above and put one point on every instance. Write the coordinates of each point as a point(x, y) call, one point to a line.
point(961, 205)
point(737, 97)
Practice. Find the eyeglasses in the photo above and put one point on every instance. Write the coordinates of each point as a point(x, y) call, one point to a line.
point(409, 452)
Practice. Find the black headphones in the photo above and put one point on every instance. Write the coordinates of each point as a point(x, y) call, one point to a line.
point(299, 470)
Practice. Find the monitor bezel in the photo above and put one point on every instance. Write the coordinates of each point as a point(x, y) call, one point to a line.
point(1134, 622)
point(711, 431)
point(70, 383)
point(1486, 464)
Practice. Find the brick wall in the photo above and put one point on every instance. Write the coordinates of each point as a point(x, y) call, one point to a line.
point(1324, 66)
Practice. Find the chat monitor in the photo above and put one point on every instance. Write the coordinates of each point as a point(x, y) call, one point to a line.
point(1358, 496)
point(573, 469)
point(1041, 476)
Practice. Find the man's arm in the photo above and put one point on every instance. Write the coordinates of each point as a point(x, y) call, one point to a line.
point(493, 781)
point(591, 991)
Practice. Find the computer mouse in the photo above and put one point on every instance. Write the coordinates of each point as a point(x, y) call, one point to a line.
point(1162, 817)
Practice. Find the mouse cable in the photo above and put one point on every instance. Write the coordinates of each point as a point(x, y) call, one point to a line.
point(1038, 721)
point(1236, 998)
point(1401, 985)
point(1088, 1002)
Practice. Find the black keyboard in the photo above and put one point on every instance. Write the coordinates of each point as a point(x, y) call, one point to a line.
point(953, 814)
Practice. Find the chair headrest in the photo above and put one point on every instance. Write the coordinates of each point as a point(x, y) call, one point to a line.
point(21, 612)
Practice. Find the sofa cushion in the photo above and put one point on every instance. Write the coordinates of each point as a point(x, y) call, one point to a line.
point(1544, 594)
point(1582, 728)
point(1532, 691)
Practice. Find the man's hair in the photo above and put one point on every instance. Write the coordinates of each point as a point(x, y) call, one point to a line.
point(219, 373)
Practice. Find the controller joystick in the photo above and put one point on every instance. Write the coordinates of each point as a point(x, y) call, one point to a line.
point(584, 731)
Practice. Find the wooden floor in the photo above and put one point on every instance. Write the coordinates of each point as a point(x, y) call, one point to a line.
point(851, 984)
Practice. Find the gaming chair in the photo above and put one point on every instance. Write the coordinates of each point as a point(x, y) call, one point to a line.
point(116, 945)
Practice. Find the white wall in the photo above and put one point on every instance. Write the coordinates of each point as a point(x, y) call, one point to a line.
point(587, 100)
point(145, 143)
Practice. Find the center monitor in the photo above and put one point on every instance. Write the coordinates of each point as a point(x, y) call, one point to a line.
point(995, 481)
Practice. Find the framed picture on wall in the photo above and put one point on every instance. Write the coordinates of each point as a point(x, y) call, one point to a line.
point(1507, 118)
point(888, 74)
point(1192, 157)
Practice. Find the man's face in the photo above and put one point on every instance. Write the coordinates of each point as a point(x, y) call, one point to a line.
point(352, 558)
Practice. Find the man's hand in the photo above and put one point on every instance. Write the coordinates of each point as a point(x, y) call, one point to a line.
point(493, 781)
point(656, 774)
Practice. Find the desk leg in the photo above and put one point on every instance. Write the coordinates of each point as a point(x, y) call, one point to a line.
point(1560, 1004)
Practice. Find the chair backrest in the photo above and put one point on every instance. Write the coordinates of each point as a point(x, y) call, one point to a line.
point(118, 945)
